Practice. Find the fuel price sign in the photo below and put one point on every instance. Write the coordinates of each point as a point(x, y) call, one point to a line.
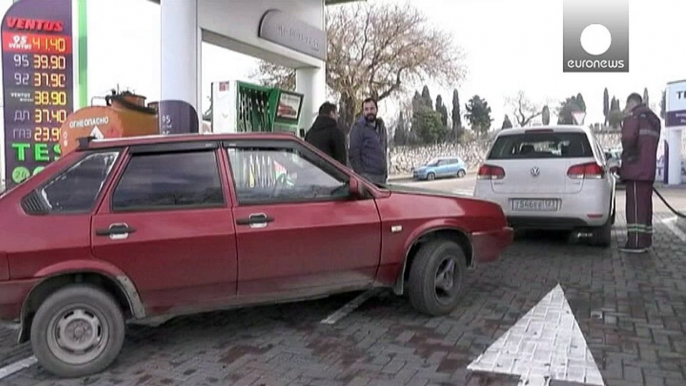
point(38, 83)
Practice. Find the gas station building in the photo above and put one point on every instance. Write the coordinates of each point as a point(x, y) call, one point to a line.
point(291, 33)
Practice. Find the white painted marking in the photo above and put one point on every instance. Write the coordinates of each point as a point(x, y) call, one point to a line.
point(348, 307)
point(97, 133)
point(670, 223)
point(17, 366)
point(464, 192)
point(545, 344)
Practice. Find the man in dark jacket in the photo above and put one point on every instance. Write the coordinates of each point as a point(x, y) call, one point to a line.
point(640, 138)
point(369, 144)
point(326, 135)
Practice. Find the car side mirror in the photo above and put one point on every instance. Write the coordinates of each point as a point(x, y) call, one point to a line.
point(355, 189)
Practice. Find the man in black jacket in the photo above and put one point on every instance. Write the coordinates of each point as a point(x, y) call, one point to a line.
point(326, 135)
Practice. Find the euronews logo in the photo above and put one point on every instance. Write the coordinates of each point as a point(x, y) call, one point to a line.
point(596, 36)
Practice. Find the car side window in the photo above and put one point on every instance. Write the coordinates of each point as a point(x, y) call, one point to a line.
point(76, 189)
point(283, 174)
point(174, 180)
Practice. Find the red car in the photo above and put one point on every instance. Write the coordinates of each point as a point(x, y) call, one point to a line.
point(165, 225)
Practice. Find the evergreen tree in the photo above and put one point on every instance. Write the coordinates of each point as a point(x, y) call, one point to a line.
point(545, 115)
point(663, 105)
point(400, 136)
point(457, 130)
point(645, 96)
point(580, 102)
point(442, 109)
point(606, 105)
point(479, 115)
point(507, 124)
point(426, 97)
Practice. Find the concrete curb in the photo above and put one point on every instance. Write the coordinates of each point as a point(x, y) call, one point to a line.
point(408, 176)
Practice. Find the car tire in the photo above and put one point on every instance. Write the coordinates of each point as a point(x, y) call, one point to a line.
point(437, 258)
point(602, 236)
point(82, 310)
point(430, 177)
point(461, 173)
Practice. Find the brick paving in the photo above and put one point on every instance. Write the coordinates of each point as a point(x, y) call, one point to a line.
point(631, 310)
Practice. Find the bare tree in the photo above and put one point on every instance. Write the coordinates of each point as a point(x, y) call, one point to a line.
point(523, 109)
point(273, 75)
point(379, 50)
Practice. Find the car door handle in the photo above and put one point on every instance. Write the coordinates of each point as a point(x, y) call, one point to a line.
point(116, 231)
point(258, 220)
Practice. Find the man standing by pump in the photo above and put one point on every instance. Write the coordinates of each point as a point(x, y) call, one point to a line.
point(369, 144)
point(640, 138)
point(326, 135)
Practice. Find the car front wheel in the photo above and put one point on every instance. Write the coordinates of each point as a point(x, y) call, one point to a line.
point(437, 277)
point(77, 331)
point(430, 176)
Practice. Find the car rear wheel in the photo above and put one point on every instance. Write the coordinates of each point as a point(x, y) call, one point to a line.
point(77, 331)
point(602, 236)
point(437, 277)
point(430, 176)
point(461, 173)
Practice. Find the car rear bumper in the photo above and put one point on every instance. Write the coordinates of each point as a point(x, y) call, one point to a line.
point(12, 295)
point(590, 209)
point(551, 223)
point(488, 246)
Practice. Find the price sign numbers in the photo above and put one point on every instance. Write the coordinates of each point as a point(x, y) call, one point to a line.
point(21, 78)
point(47, 134)
point(50, 98)
point(42, 116)
point(43, 79)
point(21, 60)
point(49, 62)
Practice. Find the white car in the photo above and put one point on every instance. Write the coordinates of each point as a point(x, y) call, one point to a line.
point(551, 177)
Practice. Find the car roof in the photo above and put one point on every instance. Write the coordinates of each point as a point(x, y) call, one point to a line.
point(554, 128)
point(179, 138)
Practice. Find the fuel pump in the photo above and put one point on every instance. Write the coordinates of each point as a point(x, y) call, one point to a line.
point(242, 107)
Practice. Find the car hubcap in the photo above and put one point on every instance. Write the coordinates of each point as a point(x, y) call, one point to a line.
point(77, 336)
point(446, 284)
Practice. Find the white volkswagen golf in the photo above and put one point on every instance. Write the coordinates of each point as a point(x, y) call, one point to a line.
point(551, 177)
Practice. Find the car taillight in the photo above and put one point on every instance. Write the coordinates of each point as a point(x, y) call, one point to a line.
point(490, 172)
point(588, 170)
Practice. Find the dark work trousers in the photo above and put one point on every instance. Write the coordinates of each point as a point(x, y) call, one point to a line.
point(639, 214)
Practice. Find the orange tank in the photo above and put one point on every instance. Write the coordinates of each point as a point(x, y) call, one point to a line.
point(124, 116)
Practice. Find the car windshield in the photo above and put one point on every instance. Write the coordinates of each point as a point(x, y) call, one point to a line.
point(541, 145)
point(433, 162)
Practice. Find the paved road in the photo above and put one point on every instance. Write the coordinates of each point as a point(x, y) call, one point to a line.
point(631, 311)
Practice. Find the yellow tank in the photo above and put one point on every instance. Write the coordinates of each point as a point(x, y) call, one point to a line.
point(124, 116)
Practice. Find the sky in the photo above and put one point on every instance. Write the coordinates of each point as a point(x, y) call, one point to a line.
point(510, 45)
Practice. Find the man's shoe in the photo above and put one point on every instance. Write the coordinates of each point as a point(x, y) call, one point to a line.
point(633, 250)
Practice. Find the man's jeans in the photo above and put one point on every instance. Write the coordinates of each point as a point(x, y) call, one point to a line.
point(377, 179)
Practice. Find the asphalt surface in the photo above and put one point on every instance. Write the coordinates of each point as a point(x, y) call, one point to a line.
point(630, 312)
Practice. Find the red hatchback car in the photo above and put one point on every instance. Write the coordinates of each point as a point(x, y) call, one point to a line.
point(167, 225)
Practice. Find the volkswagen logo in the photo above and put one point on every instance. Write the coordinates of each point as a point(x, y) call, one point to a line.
point(535, 171)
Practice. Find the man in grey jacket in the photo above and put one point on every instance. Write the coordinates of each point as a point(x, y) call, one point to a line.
point(369, 145)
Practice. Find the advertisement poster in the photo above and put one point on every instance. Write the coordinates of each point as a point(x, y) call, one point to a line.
point(37, 65)
point(289, 106)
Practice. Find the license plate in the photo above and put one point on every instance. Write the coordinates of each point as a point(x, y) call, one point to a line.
point(535, 205)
